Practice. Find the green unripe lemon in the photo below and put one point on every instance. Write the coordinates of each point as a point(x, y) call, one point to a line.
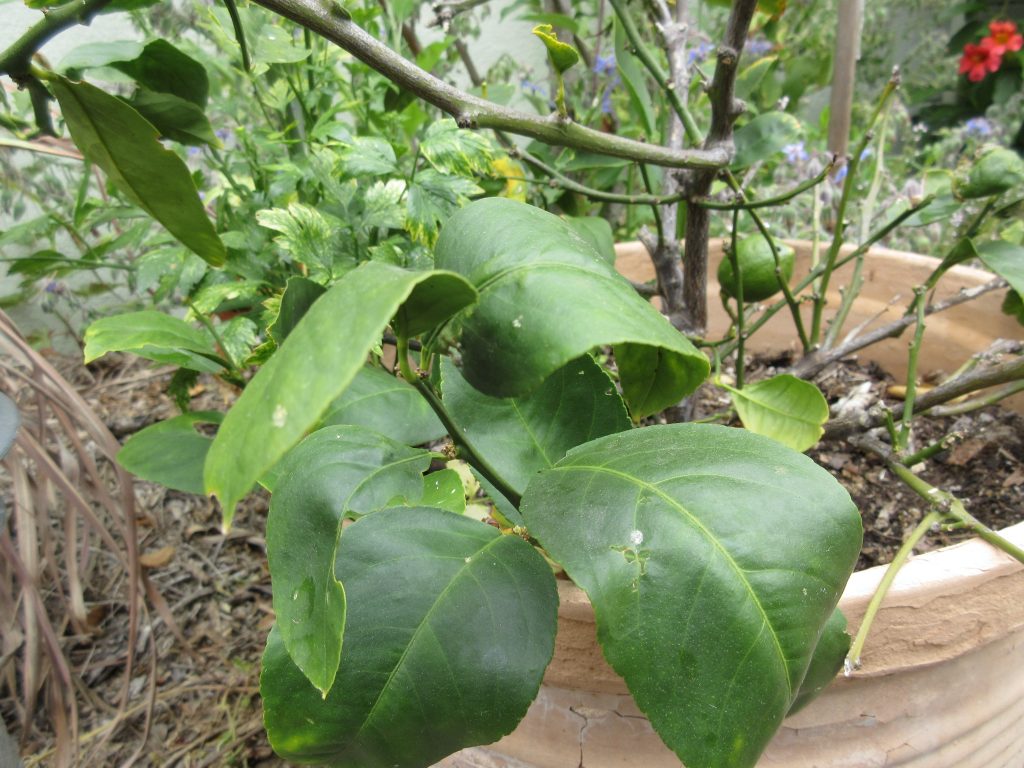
point(997, 170)
point(757, 267)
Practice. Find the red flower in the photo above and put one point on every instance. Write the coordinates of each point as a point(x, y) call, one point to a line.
point(979, 60)
point(1004, 37)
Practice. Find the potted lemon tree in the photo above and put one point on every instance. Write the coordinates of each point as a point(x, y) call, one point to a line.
point(713, 557)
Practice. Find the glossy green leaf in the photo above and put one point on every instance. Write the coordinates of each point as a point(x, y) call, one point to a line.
point(444, 489)
point(175, 118)
point(597, 232)
point(563, 56)
point(530, 267)
point(450, 626)
point(784, 408)
point(382, 402)
point(521, 436)
point(299, 295)
point(316, 363)
point(171, 452)
point(1006, 260)
point(333, 471)
point(120, 141)
point(765, 136)
point(828, 659)
point(154, 336)
point(99, 54)
point(162, 68)
point(713, 558)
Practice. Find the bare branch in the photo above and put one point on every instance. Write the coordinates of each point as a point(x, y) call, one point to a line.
point(965, 384)
point(331, 22)
point(816, 361)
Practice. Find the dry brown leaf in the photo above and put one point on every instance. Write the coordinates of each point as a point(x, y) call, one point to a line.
point(964, 452)
point(157, 558)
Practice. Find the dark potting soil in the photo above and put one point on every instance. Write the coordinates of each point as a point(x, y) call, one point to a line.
point(984, 466)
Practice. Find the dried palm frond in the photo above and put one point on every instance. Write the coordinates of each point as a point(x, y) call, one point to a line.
point(69, 560)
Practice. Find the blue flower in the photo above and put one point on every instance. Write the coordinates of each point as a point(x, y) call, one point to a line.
point(840, 175)
point(978, 126)
point(796, 152)
point(539, 90)
point(605, 65)
point(699, 53)
point(758, 47)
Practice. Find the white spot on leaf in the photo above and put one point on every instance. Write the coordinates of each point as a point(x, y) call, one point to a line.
point(636, 538)
point(279, 417)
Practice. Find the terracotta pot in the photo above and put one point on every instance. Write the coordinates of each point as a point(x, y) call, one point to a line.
point(942, 684)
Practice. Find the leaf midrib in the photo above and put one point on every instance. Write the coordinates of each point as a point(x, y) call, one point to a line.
point(654, 489)
point(420, 628)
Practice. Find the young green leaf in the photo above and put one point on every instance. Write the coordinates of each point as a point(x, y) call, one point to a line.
point(713, 558)
point(444, 489)
point(332, 472)
point(177, 119)
point(120, 141)
point(784, 408)
point(171, 452)
point(377, 400)
point(449, 628)
point(154, 336)
point(563, 56)
point(521, 436)
point(162, 68)
point(1006, 260)
point(288, 396)
point(529, 267)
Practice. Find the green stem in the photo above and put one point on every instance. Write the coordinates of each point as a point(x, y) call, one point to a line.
point(236, 24)
point(216, 337)
point(844, 200)
point(15, 61)
point(647, 59)
point(857, 647)
point(915, 350)
point(949, 506)
point(466, 449)
point(768, 202)
point(787, 293)
point(740, 313)
point(853, 287)
point(564, 182)
point(654, 208)
point(978, 402)
point(928, 451)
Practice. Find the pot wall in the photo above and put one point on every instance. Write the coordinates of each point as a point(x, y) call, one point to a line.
point(942, 683)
